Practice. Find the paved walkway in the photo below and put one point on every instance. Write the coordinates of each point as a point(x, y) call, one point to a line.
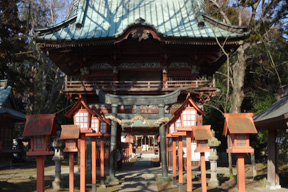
point(140, 176)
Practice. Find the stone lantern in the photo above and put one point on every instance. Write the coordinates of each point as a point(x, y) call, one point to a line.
point(213, 144)
point(238, 126)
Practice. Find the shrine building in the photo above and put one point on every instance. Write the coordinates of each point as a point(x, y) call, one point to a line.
point(136, 61)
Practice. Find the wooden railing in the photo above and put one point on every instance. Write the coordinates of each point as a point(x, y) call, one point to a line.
point(71, 86)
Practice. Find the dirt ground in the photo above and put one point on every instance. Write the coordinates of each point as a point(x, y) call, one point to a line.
point(22, 178)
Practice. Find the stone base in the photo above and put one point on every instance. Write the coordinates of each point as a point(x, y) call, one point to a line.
point(102, 186)
point(56, 185)
point(273, 187)
point(94, 189)
point(174, 180)
point(114, 181)
point(180, 187)
point(213, 183)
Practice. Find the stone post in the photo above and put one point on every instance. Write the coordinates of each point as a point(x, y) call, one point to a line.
point(113, 140)
point(163, 143)
point(213, 144)
point(57, 158)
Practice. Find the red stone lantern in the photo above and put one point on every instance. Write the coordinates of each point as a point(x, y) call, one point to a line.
point(238, 126)
point(40, 128)
point(202, 134)
point(99, 126)
point(81, 114)
point(71, 134)
point(187, 116)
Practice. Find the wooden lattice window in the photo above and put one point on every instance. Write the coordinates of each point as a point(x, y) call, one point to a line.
point(70, 143)
point(178, 123)
point(241, 140)
point(202, 144)
point(189, 117)
point(172, 128)
point(38, 142)
point(81, 119)
point(103, 127)
point(95, 124)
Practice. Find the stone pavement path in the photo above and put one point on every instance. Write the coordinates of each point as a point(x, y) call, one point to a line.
point(139, 177)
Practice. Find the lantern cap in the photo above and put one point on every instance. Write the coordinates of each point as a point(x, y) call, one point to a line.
point(100, 115)
point(202, 132)
point(239, 123)
point(80, 103)
point(188, 102)
point(40, 125)
point(70, 132)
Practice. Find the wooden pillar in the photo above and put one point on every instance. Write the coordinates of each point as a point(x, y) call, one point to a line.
point(102, 160)
point(71, 172)
point(203, 172)
point(189, 166)
point(113, 144)
point(240, 172)
point(82, 162)
point(40, 173)
point(163, 143)
point(94, 159)
point(272, 172)
point(174, 160)
point(180, 163)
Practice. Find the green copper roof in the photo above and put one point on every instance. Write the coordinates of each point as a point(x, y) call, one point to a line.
point(111, 18)
point(6, 110)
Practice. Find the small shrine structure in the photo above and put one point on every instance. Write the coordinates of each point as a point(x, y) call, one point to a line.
point(8, 117)
point(137, 60)
point(272, 119)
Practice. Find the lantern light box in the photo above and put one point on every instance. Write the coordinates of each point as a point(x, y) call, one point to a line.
point(238, 126)
point(186, 116)
point(70, 133)
point(40, 128)
point(81, 114)
point(202, 134)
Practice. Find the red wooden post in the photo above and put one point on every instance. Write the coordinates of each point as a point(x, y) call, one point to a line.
point(40, 173)
point(180, 154)
point(240, 172)
point(94, 159)
point(82, 162)
point(174, 160)
point(71, 172)
point(189, 167)
point(203, 172)
point(102, 160)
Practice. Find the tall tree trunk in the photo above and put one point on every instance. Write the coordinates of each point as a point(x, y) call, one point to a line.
point(238, 74)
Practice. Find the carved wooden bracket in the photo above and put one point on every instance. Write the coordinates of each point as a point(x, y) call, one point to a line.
point(140, 34)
